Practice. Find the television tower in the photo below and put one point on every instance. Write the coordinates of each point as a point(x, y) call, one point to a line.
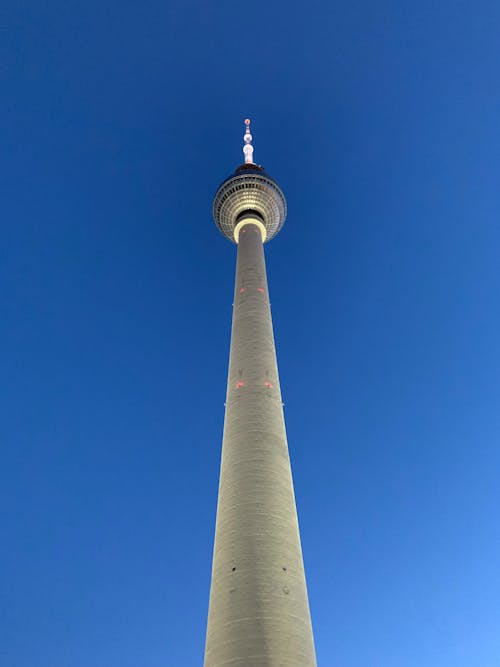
point(259, 611)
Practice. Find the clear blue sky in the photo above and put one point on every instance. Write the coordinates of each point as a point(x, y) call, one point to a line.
point(118, 120)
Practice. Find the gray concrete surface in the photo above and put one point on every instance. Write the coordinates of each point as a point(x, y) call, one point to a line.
point(259, 611)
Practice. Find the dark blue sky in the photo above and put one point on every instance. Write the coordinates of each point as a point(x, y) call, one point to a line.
point(118, 120)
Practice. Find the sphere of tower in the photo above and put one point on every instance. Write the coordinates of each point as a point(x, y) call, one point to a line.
point(249, 190)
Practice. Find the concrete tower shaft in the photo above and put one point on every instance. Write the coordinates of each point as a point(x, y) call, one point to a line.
point(259, 611)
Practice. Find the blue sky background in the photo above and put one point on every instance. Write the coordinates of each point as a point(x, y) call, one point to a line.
point(118, 120)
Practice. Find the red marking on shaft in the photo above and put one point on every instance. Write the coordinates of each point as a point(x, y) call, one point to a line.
point(268, 384)
point(243, 289)
point(240, 384)
point(260, 289)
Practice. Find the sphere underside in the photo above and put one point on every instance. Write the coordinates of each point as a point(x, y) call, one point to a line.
point(254, 192)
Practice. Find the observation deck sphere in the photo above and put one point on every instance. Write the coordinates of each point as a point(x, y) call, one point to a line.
point(249, 189)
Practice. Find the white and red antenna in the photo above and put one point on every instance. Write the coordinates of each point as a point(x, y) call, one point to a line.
point(248, 148)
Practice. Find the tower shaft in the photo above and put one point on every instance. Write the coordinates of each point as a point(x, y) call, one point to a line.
point(259, 611)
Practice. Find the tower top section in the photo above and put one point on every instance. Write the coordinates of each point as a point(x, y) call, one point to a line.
point(248, 148)
point(249, 193)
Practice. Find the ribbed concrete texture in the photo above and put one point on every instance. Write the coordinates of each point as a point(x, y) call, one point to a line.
point(259, 611)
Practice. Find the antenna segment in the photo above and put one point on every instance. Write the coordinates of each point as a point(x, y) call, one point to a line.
point(248, 148)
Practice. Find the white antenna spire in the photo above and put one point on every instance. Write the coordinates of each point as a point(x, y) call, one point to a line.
point(248, 148)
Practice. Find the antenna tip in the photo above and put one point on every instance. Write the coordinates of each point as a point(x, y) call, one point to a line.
point(248, 148)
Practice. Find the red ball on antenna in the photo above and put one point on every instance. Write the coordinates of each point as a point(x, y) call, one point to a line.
point(247, 121)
